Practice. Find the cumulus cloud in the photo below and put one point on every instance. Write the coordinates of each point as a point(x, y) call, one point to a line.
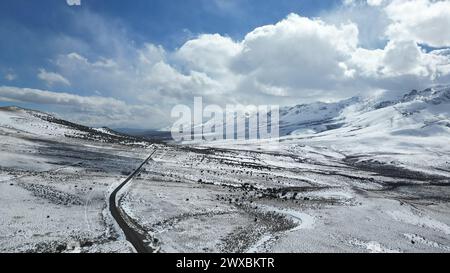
point(147, 77)
point(425, 21)
point(403, 57)
point(293, 61)
point(400, 58)
point(73, 2)
point(293, 53)
point(52, 78)
point(209, 53)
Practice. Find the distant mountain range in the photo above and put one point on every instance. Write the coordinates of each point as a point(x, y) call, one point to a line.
point(416, 114)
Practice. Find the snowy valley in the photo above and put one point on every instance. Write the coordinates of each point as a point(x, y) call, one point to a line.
point(360, 175)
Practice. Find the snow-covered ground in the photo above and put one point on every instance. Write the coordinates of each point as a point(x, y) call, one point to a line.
point(356, 176)
point(54, 184)
point(231, 200)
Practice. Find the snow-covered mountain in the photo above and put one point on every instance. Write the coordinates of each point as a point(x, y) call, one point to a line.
point(417, 113)
point(411, 132)
point(313, 118)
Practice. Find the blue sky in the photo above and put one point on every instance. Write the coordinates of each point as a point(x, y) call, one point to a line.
point(160, 21)
point(105, 61)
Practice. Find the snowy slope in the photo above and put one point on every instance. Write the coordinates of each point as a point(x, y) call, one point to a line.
point(305, 118)
point(417, 114)
point(424, 113)
point(314, 117)
point(39, 124)
point(33, 123)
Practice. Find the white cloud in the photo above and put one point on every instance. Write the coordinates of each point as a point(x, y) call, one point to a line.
point(424, 21)
point(209, 53)
point(295, 52)
point(52, 78)
point(48, 97)
point(73, 2)
point(374, 2)
point(400, 58)
point(148, 77)
point(403, 57)
point(369, 2)
point(92, 110)
point(371, 32)
point(10, 76)
point(286, 58)
point(103, 62)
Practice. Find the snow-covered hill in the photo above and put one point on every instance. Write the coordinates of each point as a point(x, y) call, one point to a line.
point(412, 131)
point(417, 114)
point(39, 124)
point(313, 118)
point(424, 113)
point(33, 123)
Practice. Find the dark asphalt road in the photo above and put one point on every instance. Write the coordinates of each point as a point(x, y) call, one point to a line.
point(134, 237)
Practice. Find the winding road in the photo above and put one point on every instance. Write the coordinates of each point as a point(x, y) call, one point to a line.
point(134, 237)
